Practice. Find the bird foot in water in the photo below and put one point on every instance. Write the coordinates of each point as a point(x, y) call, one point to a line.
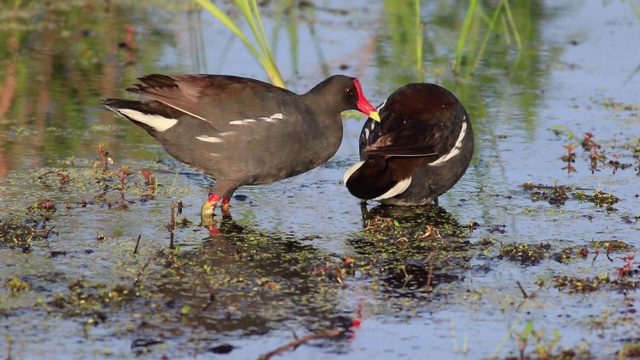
point(209, 206)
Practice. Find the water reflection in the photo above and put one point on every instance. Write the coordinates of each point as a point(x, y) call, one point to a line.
point(416, 248)
point(56, 71)
point(317, 273)
point(59, 60)
point(249, 281)
point(245, 281)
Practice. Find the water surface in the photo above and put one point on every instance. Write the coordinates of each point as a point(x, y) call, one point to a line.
point(301, 256)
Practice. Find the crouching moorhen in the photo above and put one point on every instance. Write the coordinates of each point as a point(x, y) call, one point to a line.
point(242, 131)
point(421, 147)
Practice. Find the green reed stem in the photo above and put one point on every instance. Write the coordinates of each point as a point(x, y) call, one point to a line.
point(249, 9)
point(466, 25)
point(507, 22)
point(486, 38)
point(635, 9)
point(512, 23)
point(419, 40)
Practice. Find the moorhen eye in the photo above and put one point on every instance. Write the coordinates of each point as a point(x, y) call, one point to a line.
point(421, 147)
point(195, 118)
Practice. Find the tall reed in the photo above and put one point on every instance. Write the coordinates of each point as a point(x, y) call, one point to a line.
point(249, 9)
point(419, 40)
point(502, 12)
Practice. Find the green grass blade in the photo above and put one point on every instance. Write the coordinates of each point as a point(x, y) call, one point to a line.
point(274, 72)
point(252, 16)
point(466, 25)
point(261, 37)
point(635, 8)
point(245, 8)
point(486, 38)
point(512, 23)
point(419, 40)
point(224, 19)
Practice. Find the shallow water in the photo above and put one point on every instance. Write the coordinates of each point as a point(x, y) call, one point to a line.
point(278, 267)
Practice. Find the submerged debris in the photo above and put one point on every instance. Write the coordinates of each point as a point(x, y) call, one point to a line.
point(611, 245)
point(63, 178)
point(600, 198)
point(20, 234)
point(554, 194)
point(579, 284)
point(588, 143)
point(525, 253)
point(631, 349)
point(91, 299)
point(559, 194)
point(15, 285)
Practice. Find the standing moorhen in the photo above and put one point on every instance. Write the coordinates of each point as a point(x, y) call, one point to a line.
point(421, 147)
point(243, 131)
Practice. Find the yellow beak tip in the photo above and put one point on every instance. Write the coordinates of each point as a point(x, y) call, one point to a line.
point(375, 116)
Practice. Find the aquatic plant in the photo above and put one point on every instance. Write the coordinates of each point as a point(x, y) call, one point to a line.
point(249, 9)
point(501, 13)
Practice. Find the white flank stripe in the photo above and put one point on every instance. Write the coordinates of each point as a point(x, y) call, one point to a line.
point(186, 112)
point(210, 139)
point(228, 133)
point(456, 149)
point(272, 119)
point(242, 122)
point(398, 189)
point(350, 172)
point(366, 133)
point(157, 122)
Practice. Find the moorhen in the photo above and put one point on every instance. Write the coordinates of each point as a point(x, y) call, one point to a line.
point(242, 131)
point(421, 147)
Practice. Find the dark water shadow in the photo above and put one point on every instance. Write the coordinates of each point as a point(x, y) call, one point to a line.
point(414, 249)
point(242, 281)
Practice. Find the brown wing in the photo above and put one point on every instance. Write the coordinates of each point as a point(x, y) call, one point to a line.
point(414, 139)
point(186, 93)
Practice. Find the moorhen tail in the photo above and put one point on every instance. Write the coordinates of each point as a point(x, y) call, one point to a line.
point(421, 147)
point(242, 131)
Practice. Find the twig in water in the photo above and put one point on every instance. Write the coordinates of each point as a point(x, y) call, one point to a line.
point(212, 296)
point(297, 342)
point(135, 250)
point(44, 230)
point(172, 225)
point(145, 266)
point(64, 178)
point(430, 274)
point(524, 293)
point(608, 250)
point(9, 345)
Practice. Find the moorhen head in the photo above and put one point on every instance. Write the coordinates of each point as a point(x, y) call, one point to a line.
point(242, 131)
point(421, 147)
